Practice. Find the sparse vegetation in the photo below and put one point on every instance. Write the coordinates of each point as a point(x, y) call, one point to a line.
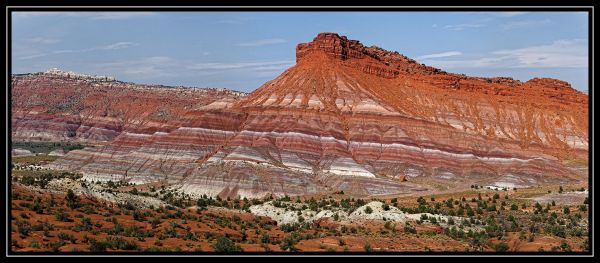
point(224, 244)
point(486, 225)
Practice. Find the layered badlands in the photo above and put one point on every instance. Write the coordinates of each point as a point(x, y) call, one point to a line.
point(345, 118)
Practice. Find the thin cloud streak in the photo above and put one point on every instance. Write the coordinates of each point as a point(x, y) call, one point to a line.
point(525, 24)
point(114, 46)
point(43, 40)
point(262, 42)
point(559, 54)
point(162, 66)
point(89, 15)
point(463, 26)
point(243, 65)
point(441, 55)
point(509, 14)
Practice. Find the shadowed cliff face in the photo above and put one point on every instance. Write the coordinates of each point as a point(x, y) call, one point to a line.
point(345, 117)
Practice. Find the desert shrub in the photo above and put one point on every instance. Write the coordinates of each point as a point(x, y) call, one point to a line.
point(368, 247)
point(501, 247)
point(88, 209)
point(224, 244)
point(135, 231)
point(55, 246)
point(72, 200)
point(66, 237)
point(289, 242)
point(120, 243)
point(155, 222)
point(97, 246)
point(84, 225)
point(138, 216)
point(368, 210)
point(169, 232)
point(450, 221)
point(410, 229)
point(37, 206)
point(265, 239)
point(433, 220)
point(189, 235)
point(34, 244)
point(23, 228)
point(289, 227)
point(386, 207)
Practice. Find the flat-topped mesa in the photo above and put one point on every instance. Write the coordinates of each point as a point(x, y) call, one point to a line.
point(332, 44)
point(382, 62)
point(75, 75)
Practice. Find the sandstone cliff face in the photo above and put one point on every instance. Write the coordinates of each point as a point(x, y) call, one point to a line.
point(55, 107)
point(345, 117)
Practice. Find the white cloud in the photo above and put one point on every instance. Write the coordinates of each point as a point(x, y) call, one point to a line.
point(233, 20)
point(119, 45)
point(262, 42)
point(264, 65)
point(90, 15)
point(156, 66)
point(441, 55)
point(559, 54)
point(524, 24)
point(473, 62)
point(509, 14)
point(114, 46)
point(120, 15)
point(162, 66)
point(463, 26)
point(43, 40)
point(32, 56)
point(228, 21)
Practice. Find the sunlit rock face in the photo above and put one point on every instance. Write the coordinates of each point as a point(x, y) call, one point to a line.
point(346, 117)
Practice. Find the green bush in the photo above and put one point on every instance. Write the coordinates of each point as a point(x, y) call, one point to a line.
point(72, 200)
point(501, 247)
point(224, 244)
point(23, 228)
point(368, 247)
point(62, 216)
point(97, 246)
point(410, 229)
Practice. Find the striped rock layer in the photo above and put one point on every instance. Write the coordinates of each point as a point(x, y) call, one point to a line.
point(345, 118)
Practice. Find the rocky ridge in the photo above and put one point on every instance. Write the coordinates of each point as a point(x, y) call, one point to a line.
point(345, 118)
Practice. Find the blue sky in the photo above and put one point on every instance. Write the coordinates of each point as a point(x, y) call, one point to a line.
point(242, 50)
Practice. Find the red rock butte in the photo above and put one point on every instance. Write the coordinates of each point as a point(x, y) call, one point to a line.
point(346, 117)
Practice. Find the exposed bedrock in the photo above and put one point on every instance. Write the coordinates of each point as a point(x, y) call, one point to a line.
point(346, 117)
